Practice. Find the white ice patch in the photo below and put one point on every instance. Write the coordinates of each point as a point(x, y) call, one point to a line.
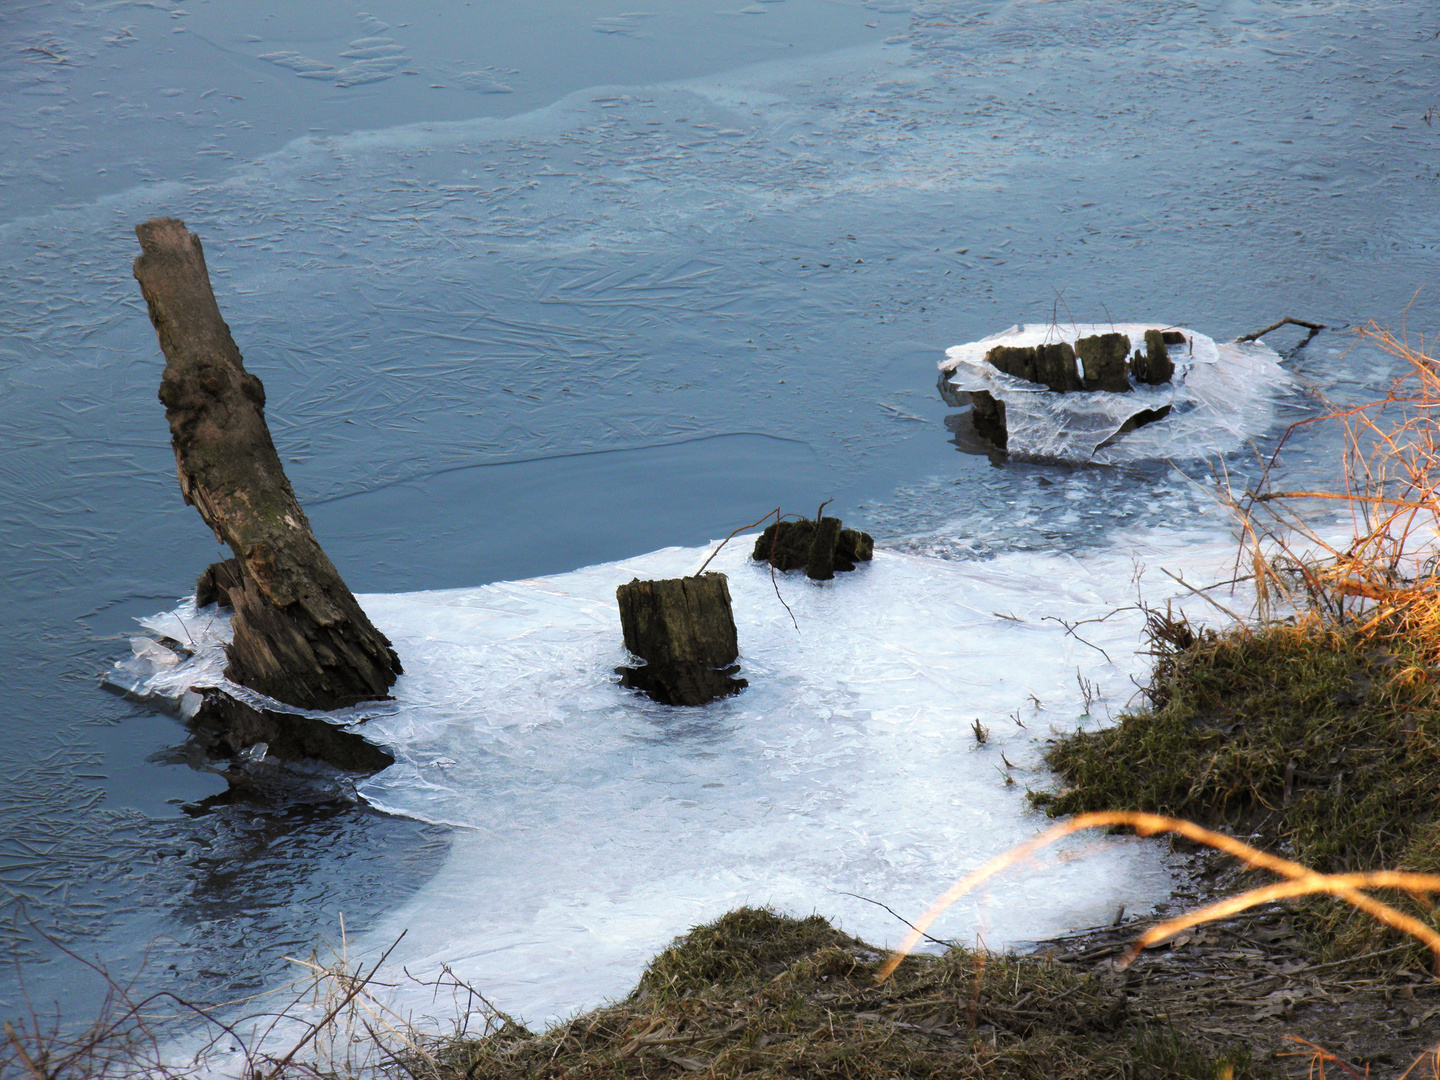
point(595, 825)
point(1222, 395)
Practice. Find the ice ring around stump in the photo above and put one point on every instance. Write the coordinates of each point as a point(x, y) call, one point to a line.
point(684, 630)
point(1067, 392)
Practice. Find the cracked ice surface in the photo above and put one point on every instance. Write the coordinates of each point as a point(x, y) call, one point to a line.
point(595, 825)
point(598, 824)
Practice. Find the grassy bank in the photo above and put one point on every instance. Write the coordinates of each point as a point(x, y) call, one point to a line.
point(1318, 741)
point(1319, 734)
point(759, 995)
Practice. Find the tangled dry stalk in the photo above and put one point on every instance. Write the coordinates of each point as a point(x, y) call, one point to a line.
point(1302, 882)
point(332, 1021)
point(1386, 576)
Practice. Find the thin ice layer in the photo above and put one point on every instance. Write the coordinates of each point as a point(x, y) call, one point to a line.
point(1222, 395)
point(597, 824)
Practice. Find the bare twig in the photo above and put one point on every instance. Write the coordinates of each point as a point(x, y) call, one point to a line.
point(1378, 500)
point(350, 996)
point(1313, 327)
point(34, 1070)
point(734, 533)
point(892, 911)
point(773, 582)
point(1210, 600)
point(1070, 629)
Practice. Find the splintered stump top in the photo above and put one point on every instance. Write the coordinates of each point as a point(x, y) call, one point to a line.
point(299, 635)
point(684, 630)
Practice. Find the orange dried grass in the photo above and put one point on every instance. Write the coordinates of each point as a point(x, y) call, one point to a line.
point(1302, 881)
point(1320, 1057)
point(1388, 575)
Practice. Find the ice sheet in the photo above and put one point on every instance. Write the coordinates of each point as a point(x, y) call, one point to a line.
point(596, 825)
point(1222, 395)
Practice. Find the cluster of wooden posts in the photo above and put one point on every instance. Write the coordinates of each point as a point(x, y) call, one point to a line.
point(1107, 363)
point(684, 628)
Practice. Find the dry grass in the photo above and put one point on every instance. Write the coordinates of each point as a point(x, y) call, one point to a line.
point(759, 995)
point(1383, 581)
point(1302, 881)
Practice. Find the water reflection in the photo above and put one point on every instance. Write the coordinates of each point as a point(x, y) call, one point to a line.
point(969, 440)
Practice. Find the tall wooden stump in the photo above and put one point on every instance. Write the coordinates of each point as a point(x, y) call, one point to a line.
point(684, 630)
point(299, 635)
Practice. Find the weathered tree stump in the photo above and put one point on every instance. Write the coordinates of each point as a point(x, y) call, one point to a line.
point(684, 630)
point(1052, 365)
point(214, 585)
point(1154, 366)
point(299, 635)
point(819, 548)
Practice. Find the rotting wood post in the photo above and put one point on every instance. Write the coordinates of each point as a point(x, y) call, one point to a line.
point(820, 566)
point(684, 630)
point(226, 727)
point(1153, 366)
point(1105, 358)
point(298, 633)
point(820, 548)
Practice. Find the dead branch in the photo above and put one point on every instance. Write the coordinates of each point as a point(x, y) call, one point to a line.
point(1313, 327)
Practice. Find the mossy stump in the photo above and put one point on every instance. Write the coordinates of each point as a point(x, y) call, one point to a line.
point(1154, 366)
point(1105, 357)
point(1052, 365)
point(820, 548)
point(684, 630)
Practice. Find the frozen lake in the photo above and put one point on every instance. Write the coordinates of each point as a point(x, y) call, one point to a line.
point(545, 286)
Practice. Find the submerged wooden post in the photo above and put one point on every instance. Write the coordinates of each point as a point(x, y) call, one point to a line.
point(299, 634)
point(684, 630)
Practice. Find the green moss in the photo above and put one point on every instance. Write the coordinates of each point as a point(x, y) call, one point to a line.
point(1326, 746)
